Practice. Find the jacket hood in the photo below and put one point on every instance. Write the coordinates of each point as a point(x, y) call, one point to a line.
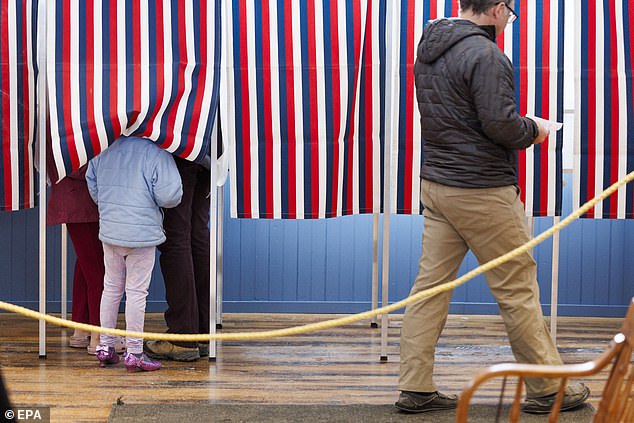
point(442, 34)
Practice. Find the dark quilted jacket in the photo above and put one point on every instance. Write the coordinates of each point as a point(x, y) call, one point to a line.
point(466, 97)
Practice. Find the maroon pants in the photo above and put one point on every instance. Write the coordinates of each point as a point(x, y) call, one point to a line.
point(185, 254)
point(89, 271)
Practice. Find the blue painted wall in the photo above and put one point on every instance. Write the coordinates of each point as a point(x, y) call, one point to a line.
point(324, 266)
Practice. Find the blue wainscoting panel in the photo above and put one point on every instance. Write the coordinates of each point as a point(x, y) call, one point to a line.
point(593, 265)
point(297, 265)
point(19, 261)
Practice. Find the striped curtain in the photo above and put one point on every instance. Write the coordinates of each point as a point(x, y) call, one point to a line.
point(146, 68)
point(306, 107)
point(604, 149)
point(408, 17)
point(18, 51)
point(535, 46)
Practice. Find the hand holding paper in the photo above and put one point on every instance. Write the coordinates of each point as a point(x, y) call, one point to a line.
point(545, 127)
point(549, 125)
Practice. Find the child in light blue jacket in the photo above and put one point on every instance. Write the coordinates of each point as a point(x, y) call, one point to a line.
point(130, 182)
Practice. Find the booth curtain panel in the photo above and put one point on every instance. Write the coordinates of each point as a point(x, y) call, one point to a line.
point(534, 44)
point(604, 138)
point(306, 107)
point(145, 68)
point(18, 74)
point(408, 18)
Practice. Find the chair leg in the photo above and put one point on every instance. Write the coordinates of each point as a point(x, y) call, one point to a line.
point(515, 411)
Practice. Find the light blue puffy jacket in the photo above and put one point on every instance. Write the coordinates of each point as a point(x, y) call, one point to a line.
point(130, 181)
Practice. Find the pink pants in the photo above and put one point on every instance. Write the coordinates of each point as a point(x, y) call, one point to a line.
point(127, 270)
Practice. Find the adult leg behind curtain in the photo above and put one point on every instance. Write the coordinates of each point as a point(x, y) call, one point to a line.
point(200, 246)
point(177, 258)
point(89, 274)
point(79, 305)
point(89, 252)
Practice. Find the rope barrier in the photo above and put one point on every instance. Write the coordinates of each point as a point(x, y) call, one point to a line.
point(296, 330)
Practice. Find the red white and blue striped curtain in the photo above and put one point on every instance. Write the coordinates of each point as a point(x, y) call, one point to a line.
point(146, 68)
point(306, 107)
point(18, 51)
point(535, 46)
point(604, 149)
point(408, 17)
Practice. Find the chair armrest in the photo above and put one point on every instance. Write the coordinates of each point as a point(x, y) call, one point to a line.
point(549, 371)
point(564, 371)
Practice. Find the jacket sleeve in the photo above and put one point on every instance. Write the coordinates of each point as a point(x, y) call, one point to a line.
point(166, 181)
point(91, 179)
point(492, 87)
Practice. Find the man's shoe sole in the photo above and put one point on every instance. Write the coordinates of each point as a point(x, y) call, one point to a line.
point(424, 409)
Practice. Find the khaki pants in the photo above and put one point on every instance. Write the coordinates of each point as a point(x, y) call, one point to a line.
point(489, 222)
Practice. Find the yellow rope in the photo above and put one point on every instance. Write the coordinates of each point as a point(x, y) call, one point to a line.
point(296, 330)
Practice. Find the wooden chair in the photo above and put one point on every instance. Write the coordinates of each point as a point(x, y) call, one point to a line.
point(617, 400)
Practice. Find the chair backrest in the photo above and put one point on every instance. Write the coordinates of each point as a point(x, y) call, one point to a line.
point(617, 399)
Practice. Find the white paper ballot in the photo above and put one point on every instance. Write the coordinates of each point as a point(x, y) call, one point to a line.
point(550, 125)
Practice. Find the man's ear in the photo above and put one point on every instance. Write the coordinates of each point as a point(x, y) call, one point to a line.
point(498, 10)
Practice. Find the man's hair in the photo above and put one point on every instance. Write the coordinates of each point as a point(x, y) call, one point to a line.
point(479, 6)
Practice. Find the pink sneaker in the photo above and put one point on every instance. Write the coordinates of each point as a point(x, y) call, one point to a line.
point(106, 355)
point(144, 363)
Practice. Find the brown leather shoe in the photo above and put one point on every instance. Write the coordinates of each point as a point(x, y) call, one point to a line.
point(167, 350)
point(415, 402)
